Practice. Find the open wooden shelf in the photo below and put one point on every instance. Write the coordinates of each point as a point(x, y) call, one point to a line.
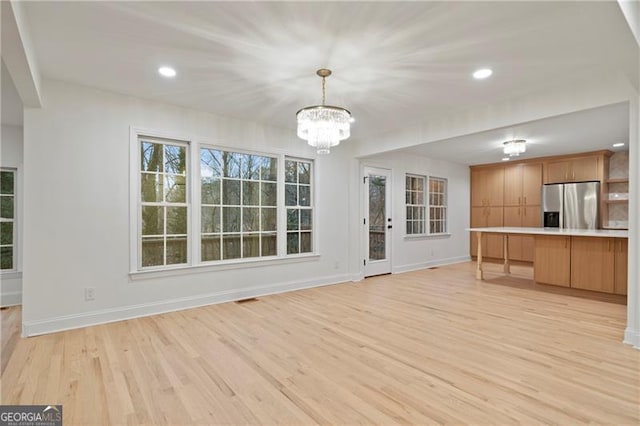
point(618, 180)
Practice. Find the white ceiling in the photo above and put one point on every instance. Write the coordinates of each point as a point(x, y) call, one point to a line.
point(12, 111)
point(394, 63)
point(588, 130)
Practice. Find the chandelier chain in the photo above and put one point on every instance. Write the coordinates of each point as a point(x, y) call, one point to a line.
point(323, 90)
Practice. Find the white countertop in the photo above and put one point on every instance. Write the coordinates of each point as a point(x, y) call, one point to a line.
point(611, 233)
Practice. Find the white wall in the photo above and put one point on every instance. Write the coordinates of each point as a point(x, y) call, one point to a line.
point(11, 156)
point(410, 253)
point(76, 222)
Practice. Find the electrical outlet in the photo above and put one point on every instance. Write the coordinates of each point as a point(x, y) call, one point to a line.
point(89, 293)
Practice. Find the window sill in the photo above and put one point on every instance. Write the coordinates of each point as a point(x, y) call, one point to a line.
point(222, 266)
point(426, 236)
point(10, 275)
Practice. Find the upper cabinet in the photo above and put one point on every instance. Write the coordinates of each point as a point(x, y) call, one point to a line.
point(576, 169)
point(522, 184)
point(487, 186)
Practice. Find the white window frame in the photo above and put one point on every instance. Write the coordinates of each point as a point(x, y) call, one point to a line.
point(194, 264)
point(311, 206)
point(14, 220)
point(444, 206)
point(424, 206)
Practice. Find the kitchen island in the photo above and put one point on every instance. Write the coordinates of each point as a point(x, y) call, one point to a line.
point(589, 259)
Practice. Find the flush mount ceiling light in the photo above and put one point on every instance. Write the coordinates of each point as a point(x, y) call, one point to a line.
point(515, 147)
point(323, 126)
point(482, 73)
point(167, 72)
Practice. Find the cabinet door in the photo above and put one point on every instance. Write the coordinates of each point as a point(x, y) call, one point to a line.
point(552, 260)
point(531, 183)
point(477, 187)
point(494, 243)
point(557, 172)
point(513, 185)
point(621, 263)
point(494, 189)
point(531, 218)
point(592, 263)
point(585, 168)
point(513, 217)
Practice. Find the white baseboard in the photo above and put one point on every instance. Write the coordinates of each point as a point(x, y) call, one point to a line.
point(632, 337)
point(103, 316)
point(430, 264)
point(10, 299)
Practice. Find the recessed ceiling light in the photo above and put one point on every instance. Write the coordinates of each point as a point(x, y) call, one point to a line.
point(482, 73)
point(167, 72)
point(619, 144)
point(506, 159)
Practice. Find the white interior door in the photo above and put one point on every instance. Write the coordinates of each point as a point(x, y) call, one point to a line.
point(377, 221)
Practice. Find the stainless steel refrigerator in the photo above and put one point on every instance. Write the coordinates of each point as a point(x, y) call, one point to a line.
point(571, 205)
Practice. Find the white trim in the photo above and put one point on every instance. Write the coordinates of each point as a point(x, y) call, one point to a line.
point(632, 337)
point(430, 264)
point(13, 298)
point(252, 262)
point(10, 275)
point(427, 236)
point(103, 316)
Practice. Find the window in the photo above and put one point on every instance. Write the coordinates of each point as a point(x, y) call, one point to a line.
point(297, 178)
point(415, 205)
point(7, 219)
point(164, 215)
point(437, 205)
point(239, 194)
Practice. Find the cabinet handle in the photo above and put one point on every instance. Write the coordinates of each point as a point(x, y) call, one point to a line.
point(518, 211)
point(518, 200)
point(525, 211)
point(525, 200)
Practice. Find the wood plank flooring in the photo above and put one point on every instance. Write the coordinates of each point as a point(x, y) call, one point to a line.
point(431, 346)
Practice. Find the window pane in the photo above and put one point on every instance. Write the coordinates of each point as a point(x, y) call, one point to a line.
point(6, 258)
point(176, 220)
point(305, 242)
point(210, 163)
point(152, 251)
point(6, 182)
point(6, 233)
point(210, 191)
point(293, 219)
point(176, 189)
point(231, 246)
point(251, 245)
point(210, 222)
point(269, 219)
point(231, 220)
point(210, 247)
point(269, 244)
point(269, 169)
point(151, 157)
point(409, 213)
point(250, 193)
point(269, 194)
point(290, 171)
point(292, 243)
point(305, 219)
point(250, 219)
point(305, 195)
point(304, 173)
point(152, 220)
point(175, 159)
point(231, 164)
point(251, 167)
point(291, 195)
point(6, 207)
point(151, 186)
point(231, 192)
point(176, 250)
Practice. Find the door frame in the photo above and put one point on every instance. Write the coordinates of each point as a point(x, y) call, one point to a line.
point(386, 266)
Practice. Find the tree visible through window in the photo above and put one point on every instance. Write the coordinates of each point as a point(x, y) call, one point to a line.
point(437, 205)
point(164, 208)
point(415, 204)
point(7, 219)
point(297, 177)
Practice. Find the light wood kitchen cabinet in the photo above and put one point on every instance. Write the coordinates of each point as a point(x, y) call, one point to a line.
point(521, 247)
point(522, 184)
point(552, 260)
point(620, 266)
point(578, 169)
point(592, 263)
point(482, 217)
point(487, 186)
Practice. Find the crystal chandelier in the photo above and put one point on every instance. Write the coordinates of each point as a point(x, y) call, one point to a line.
point(323, 126)
point(515, 147)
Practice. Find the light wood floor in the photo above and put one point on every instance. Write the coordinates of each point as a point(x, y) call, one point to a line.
point(433, 346)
